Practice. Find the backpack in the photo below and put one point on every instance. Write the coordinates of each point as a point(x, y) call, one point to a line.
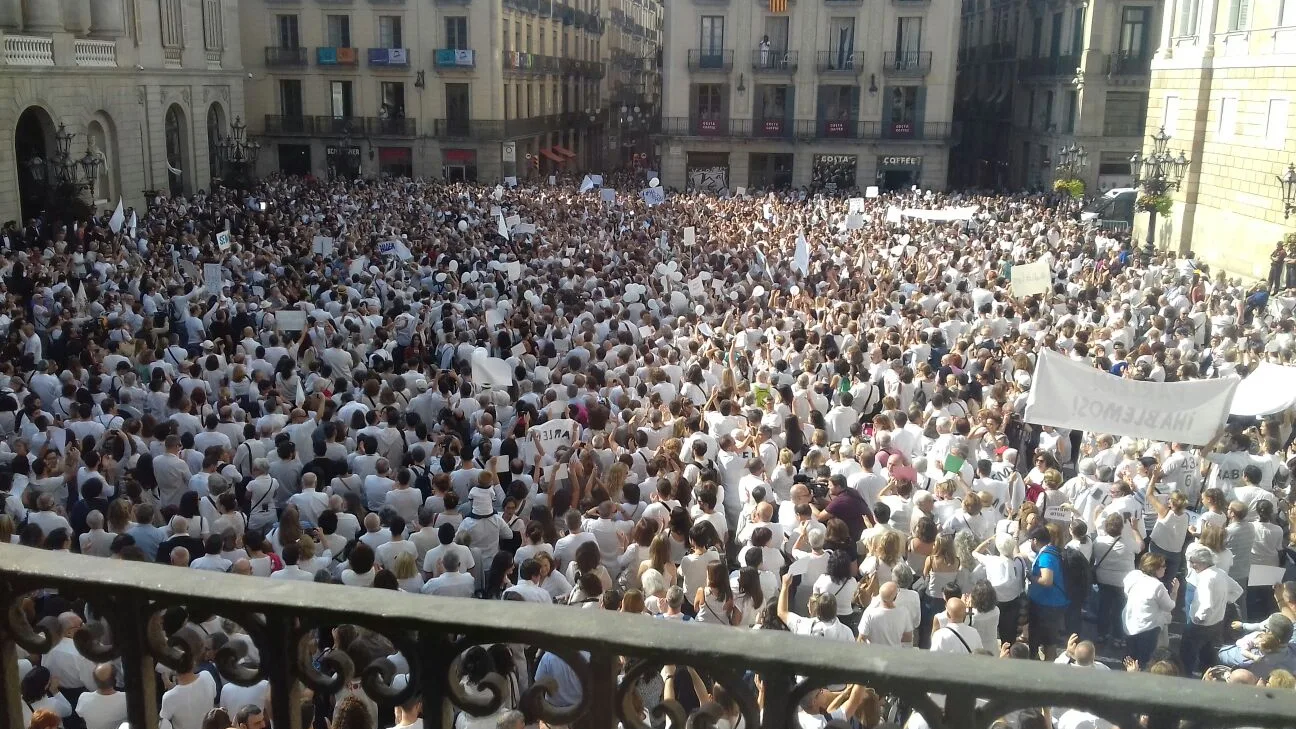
point(1077, 575)
point(422, 481)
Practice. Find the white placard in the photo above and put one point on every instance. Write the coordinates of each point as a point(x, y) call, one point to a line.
point(1029, 279)
point(525, 229)
point(510, 181)
point(871, 192)
point(290, 320)
point(942, 216)
point(1263, 575)
point(223, 240)
point(801, 258)
point(213, 277)
point(653, 196)
point(512, 221)
point(741, 192)
point(491, 373)
point(696, 287)
point(893, 214)
point(690, 236)
point(553, 435)
point(1073, 395)
point(607, 194)
point(854, 221)
point(322, 245)
point(646, 331)
point(553, 180)
point(514, 270)
point(855, 205)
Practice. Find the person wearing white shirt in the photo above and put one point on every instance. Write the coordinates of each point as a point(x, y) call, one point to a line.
point(105, 707)
point(65, 663)
point(883, 622)
point(186, 703)
point(1213, 591)
point(291, 554)
point(310, 502)
point(823, 625)
point(957, 636)
point(528, 587)
point(451, 582)
point(1148, 605)
point(388, 551)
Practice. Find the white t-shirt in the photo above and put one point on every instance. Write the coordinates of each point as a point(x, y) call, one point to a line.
point(102, 711)
point(234, 697)
point(185, 706)
point(946, 640)
point(836, 630)
point(884, 626)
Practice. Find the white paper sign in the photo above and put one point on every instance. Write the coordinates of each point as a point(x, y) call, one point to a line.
point(525, 229)
point(322, 245)
point(653, 196)
point(855, 205)
point(607, 194)
point(1029, 279)
point(854, 221)
point(213, 277)
point(553, 180)
point(290, 320)
point(491, 373)
point(741, 192)
point(553, 434)
point(893, 214)
point(801, 258)
point(1073, 395)
point(514, 270)
point(512, 221)
point(871, 192)
point(690, 235)
point(696, 287)
point(498, 193)
point(223, 240)
point(510, 181)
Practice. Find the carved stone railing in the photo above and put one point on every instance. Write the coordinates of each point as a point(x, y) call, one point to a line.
point(130, 599)
point(95, 53)
point(28, 50)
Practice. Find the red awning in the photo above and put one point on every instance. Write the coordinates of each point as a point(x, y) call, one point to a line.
point(564, 151)
point(550, 154)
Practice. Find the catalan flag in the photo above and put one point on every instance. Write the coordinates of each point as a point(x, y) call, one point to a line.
point(778, 6)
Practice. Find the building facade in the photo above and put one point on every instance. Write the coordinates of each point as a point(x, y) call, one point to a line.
point(634, 78)
point(818, 93)
point(146, 86)
point(1223, 84)
point(1057, 73)
point(461, 89)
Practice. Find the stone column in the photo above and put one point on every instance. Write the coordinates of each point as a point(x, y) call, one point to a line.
point(10, 15)
point(76, 16)
point(1169, 16)
point(107, 20)
point(42, 16)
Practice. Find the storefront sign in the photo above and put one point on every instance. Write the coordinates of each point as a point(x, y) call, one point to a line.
point(899, 162)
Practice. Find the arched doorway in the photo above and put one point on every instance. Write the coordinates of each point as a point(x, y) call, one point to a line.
point(33, 144)
point(215, 130)
point(177, 151)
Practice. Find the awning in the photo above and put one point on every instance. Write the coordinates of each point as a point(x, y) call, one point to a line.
point(550, 154)
point(564, 151)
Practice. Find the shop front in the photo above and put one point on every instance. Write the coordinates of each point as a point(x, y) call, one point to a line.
point(896, 172)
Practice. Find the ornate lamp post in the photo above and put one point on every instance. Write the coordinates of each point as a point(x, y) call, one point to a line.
point(64, 177)
point(1072, 160)
point(238, 156)
point(1288, 182)
point(1157, 173)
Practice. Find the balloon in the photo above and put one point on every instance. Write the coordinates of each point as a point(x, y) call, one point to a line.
point(463, 226)
point(795, 290)
point(699, 309)
point(758, 292)
point(454, 265)
point(654, 182)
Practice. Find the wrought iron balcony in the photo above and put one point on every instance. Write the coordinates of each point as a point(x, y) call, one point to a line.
point(340, 125)
point(281, 57)
point(1048, 66)
point(774, 61)
point(468, 129)
point(708, 59)
point(801, 129)
point(1128, 64)
point(379, 127)
point(277, 124)
point(840, 62)
point(907, 63)
point(148, 614)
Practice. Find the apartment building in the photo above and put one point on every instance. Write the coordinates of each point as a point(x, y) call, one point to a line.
point(634, 78)
point(1057, 73)
point(818, 93)
point(145, 87)
point(1223, 85)
point(460, 89)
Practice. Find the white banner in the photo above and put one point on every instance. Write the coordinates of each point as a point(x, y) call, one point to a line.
point(607, 194)
point(801, 258)
point(893, 214)
point(213, 277)
point(553, 435)
point(1269, 389)
point(1074, 395)
point(690, 235)
point(856, 205)
point(1029, 279)
point(942, 216)
point(290, 320)
point(491, 373)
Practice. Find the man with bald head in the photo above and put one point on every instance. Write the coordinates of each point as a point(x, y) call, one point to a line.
point(179, 557)
point(957, 636)
point(1080, 653)
point(105, 707)
point(883, 623)
point(73, 671)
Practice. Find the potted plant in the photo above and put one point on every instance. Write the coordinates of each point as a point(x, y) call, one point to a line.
point(1156, 203)
point(1073, 187)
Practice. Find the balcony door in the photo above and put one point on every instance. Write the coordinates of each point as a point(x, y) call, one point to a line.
point(290, 104)
point(776, 32)
point(908, 41)
point(711, 41)
point(1134, 32)
point(390, 33)
point(456, 33)
point(1055, 37)
point(709, 113)
point(841, 39)
point(457, 108)
point(339, 31)
point(289, 36)
point(342, 99)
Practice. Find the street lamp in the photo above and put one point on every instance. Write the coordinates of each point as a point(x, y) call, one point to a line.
point(1072, 160)
point(1288, 182)
point(63, 176)
point(1157, 173)
point(237, 155)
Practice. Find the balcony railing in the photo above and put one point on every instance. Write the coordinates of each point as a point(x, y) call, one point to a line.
point(149, 614)
point(907, 63)
point(774, 61)
point(28, 50)
point(840, 62)
point(801, 129)
point(339, 125)
point(708, 59)
point(276, 124)
point(1127, 64)
point(336, 56)
point(468, 129)
point(379, 127)
point(94, 53)
point(1045, 66)
point(463, 59)
point(276, 56)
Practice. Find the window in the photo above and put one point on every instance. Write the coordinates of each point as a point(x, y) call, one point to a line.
point(908, 36)
point(339, 31)
point(1134, 31)
point(1227, 127)
point(711, 40)
point(1170, 115)
point(904, 105)
point(213, 25)
point(389, 32)
point(290, 98)
point(1188, 16)
point(172, 24)
point(1037, 37)
point(507, 38)
point(1046, 119)
point(771, 102)
point(1125, 114)
point(1276, 123)
point(456, 33)
point(776, 31)
point(341, 99)
point(393, 100)
point(709, 100)
point(1239, 15)
point(288, 35)
point(1072, 111)
point(838, 102)
point(1078, 30)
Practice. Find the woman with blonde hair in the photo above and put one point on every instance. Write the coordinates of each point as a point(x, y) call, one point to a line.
point(614, 480)
point(659, 558)
point(883, 555)
point(781, 477)
point(406, 573)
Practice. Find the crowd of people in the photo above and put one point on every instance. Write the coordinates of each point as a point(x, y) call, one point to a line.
point(692, 423)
